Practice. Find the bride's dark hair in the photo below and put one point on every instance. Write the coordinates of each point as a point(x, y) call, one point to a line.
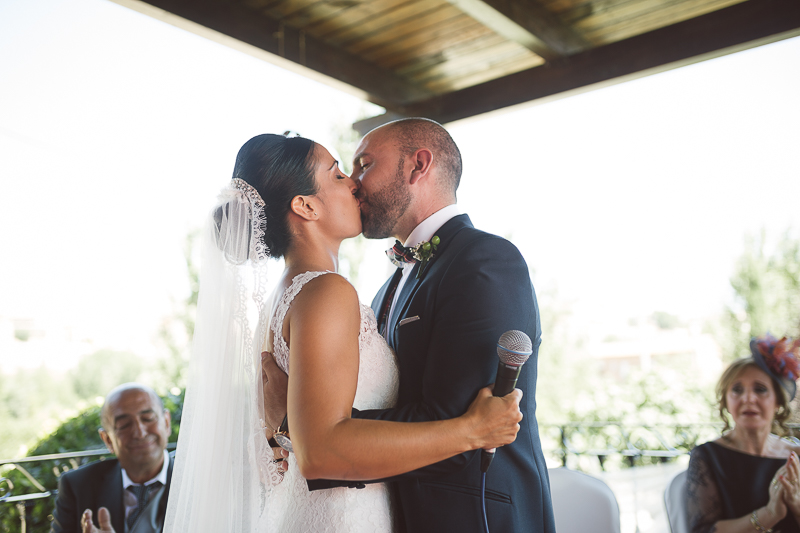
point(280, 168)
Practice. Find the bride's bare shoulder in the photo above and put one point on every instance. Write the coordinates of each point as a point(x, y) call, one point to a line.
point(331, 283)
point(324, 319)
point(327, 292)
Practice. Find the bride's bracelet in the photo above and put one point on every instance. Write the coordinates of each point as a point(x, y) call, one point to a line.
point(757, 525)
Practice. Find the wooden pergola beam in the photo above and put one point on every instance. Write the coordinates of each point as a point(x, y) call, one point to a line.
point(527, 23)
point(257, 29)
point(742, 26)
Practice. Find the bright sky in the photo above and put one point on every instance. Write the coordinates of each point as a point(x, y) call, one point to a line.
point(637, 197)
point(117, 131)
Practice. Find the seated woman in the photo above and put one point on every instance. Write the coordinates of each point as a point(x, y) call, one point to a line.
point(749, 479)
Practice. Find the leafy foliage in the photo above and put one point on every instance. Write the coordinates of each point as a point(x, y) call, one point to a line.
point(177, 331)
point(589, 411)
point(101, 371)
point(655, 410)
point(31, 404)
point(766, 283)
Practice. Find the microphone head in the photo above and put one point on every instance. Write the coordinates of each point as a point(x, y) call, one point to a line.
point(514, 347)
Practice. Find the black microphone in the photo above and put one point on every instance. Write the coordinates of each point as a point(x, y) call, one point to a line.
point(513, 348)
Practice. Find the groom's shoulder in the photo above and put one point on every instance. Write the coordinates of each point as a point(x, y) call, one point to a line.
point(473, 239)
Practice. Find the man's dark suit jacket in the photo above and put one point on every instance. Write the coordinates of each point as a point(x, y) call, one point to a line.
point(475, 288)
point(93, 486)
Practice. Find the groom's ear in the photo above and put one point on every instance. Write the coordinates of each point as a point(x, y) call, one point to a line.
point(423, 162)
point(302, 207)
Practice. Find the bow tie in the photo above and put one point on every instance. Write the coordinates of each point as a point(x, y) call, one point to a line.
point(400, 255)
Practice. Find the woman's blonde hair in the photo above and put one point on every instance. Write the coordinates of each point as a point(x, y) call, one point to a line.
point(729, 377)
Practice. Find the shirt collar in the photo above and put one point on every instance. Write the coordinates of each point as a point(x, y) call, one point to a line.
point(426, 229)
point(162, 476)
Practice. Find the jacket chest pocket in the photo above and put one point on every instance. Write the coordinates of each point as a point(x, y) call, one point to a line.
point(411, 349)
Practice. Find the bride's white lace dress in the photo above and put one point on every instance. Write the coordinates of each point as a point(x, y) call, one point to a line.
point(292, 507)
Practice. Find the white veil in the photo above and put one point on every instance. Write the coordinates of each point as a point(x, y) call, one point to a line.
point(223, 463)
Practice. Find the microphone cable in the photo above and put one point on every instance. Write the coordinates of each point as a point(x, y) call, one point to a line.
point(483, 502)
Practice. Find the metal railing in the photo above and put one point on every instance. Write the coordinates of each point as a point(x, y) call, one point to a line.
point(632, 444)
point(64, 462)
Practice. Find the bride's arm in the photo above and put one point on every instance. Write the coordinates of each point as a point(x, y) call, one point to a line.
point(323, 325)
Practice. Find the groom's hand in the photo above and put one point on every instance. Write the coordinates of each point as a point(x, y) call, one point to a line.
point(494, 419)
point(103, 517)
point(275, 386)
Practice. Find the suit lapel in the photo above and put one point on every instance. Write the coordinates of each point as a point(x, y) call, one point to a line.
point(111, 497)
point(446, 234)
point(162, 507)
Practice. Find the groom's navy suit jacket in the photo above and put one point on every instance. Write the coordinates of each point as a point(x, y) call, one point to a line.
point(475, 288)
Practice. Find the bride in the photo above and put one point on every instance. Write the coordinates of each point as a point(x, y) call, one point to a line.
point(288, 198)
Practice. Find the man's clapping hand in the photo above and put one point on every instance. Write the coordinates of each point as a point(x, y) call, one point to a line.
point(103, 517)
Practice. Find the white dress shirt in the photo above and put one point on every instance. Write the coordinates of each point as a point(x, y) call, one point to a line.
point(423, 232)
point(128, 498)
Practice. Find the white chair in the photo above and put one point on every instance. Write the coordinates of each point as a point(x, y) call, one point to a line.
point(582, 503)
point(675, 502)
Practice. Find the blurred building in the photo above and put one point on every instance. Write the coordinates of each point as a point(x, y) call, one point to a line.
point(27, 343)
point(646, 344)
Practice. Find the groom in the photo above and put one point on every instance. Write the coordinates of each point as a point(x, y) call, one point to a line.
point(443, 322)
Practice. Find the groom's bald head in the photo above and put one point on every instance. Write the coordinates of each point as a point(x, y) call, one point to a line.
point(411, 134)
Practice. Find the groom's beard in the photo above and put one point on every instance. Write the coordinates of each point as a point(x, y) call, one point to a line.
point(385, 207)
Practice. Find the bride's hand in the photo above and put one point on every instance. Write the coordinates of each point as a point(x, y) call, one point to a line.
point(494, 421)
point(281, 458)
point(276, 384)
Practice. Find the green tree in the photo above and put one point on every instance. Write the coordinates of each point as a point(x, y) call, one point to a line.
point(176, 331)
point(766, 283)
point(665, 320)
point(34, 401)
point(31, 402)
point(574, 394)
point(101, 371)
point(651, 409)
point(560, 365)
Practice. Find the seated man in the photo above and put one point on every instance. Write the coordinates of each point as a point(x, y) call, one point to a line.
point(132, 488)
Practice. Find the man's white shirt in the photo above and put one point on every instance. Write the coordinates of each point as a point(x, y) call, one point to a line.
point(128, 497)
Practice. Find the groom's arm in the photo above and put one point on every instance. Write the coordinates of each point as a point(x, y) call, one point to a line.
point(486, 293)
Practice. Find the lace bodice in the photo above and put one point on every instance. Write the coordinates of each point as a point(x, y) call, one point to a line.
point(377, 369)
point(292, 507)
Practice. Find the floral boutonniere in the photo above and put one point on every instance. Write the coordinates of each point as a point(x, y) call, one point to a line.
point(423, 252)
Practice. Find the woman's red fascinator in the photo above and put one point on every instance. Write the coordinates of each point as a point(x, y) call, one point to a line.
point(779, 359)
